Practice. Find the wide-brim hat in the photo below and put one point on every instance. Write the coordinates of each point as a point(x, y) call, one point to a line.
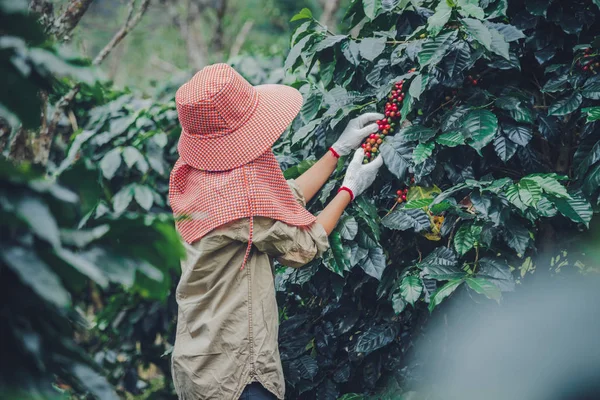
point(226, 122)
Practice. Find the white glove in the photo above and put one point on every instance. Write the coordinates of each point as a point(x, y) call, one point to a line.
point(360, 176)
point(355, 132)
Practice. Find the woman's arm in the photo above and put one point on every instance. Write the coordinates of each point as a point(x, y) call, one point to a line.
point(331, 214)
point(315, 177)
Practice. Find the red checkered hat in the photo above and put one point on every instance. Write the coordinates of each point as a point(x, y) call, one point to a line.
point(226, 122)
point(226, 170)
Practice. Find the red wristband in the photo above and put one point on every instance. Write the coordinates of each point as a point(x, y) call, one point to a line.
point(335, 153)
point(347, 190)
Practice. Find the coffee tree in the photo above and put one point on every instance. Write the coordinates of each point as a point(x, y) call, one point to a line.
point(496, 142)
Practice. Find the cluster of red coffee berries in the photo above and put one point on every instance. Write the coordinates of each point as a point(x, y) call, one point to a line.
point(401, 195)
point(589, 61)
point(386, 125)
point(473, 80)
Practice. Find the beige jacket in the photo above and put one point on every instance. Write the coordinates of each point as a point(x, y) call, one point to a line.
point(227, 326)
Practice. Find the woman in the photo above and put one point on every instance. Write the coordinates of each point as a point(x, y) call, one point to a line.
point(236, 212)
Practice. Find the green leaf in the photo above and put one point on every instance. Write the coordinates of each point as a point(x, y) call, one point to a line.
point(311, 107)
point(417, 86)
point(342, 259)
point(439, 295)
point(328, 42)
point(484, 287)
point(442, 14)
point(306, 366)
point(371, 7)
point(499, 45)
point(422, 152)
point(519, 134)
point(371, 48)
point(481, 126)
point(295, 52)
point(451, 120)
point(38, 216)
point(132, 156)
point(305, 13)
point(348, 227)
point(549, 184)
point(81, 264)
point(593, 113)
point(470, 8)
point(566, 105)
point(351, 51)
point(556, 84)
point(374, 264)
point(110, 163)
point(434, 50)
point(464, 239)
point(375, 337)
point(504, 147)
point(305, 130)
point(405, 219)
point(457, 60)
point(529, 192)
point(418, 203)
point(396, 156)
point(411, 289)
point(548, 126)
point(591, 90)
point(517, 237)
point(576, 208)
point(122, 199)
point(592, 181)
point(451, 139)
point(36, 274)
point(478, 31)
point(398, 303)
point(498, 272)
point(143, 196)
point(415, 133)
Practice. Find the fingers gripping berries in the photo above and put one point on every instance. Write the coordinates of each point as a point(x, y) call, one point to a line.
point(387, 126)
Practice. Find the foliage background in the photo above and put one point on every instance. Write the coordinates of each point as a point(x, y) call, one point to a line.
point(511, 164)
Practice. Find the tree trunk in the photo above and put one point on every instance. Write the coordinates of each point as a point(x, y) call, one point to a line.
point(330, 7)
point(65, 24)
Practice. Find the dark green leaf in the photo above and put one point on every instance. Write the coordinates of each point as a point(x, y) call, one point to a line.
point(396, 156)
point(451, 139)
point(371, 48)
point(411, 289)
point(375, 337)
point(510, 32)
point(434, 50)
point(498, 272)
point(403, 220)
point(458, 60)
point(484, 287)
point(481, 126)
point(348, 227)
point(566, 105)
point(375, 263)
point(478, 31)
point(439, 295)
point(306, 366)
point(499, 45)
point(519, 134)
point(311, 107)
point(593, 113)
point(34, 272)
point(422, 152)
point(110, 163)
point(416, 133)
point(517, 237)
point(504, 147)
point(464, 239)
point(327, 42)
point(295, 52)
point(371, 7)
point(442, 14)
point(577, 208)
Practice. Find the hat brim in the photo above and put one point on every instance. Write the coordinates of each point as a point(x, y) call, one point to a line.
point(277, 106)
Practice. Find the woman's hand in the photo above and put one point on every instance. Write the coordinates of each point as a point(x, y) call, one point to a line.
point(356, 131)
point(360, 176)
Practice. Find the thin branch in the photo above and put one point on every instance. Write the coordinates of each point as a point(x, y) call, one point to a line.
point(240, 39)
point(64, 25)
point(130, 23)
